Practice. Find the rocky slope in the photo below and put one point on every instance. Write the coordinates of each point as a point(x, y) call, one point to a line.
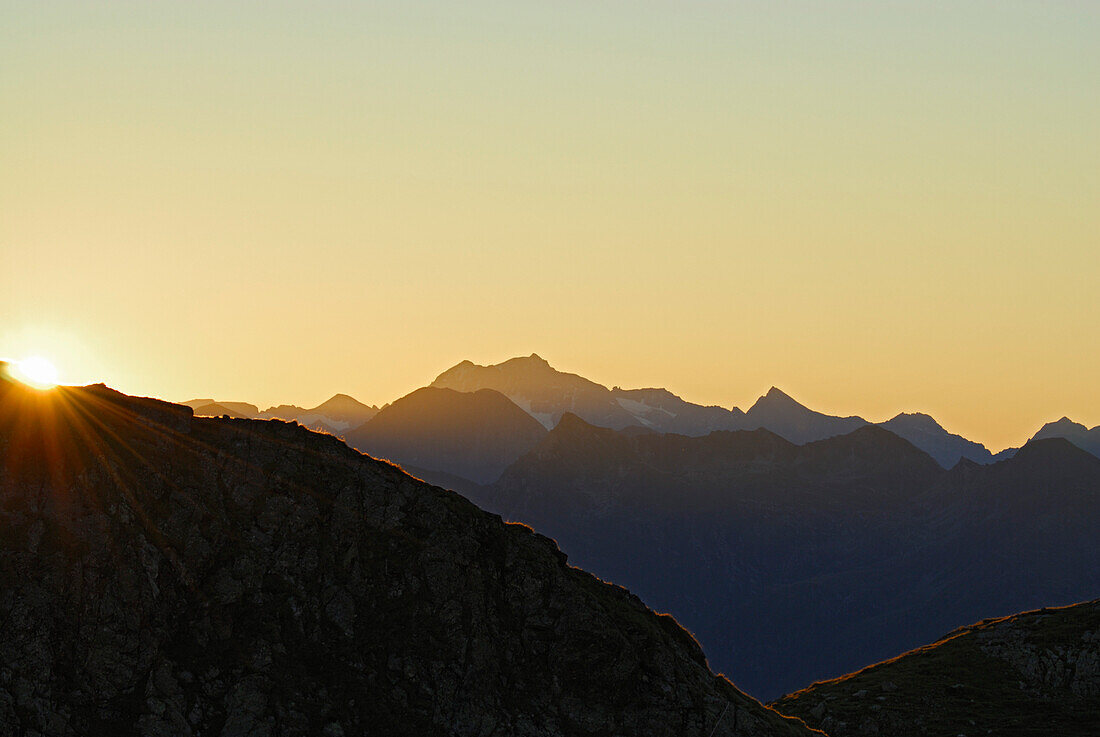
point(162, 574)
point(1031, 674)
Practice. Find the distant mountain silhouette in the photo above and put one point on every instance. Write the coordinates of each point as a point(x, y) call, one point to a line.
point(343, 408)
point(537, 388)
point(218, 410)
point(164, 574)
point(832, 554)
point(336, 415)
point(547, 394)
point(662, 411)
point(473, 435)
point(1074, 432)
point(1027, 674)
point(784, 416)
point(242, 409)
point(927, 434)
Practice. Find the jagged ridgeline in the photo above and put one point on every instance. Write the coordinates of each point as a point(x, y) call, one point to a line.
point(162, 574)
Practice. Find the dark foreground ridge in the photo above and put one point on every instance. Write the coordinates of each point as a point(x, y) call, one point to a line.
point(1028, 675)
point(162, 574)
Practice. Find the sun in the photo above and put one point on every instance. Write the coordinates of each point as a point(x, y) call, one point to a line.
point(35, 371)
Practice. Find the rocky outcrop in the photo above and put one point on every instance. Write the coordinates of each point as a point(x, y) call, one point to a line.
point(162, 574)
point(1028, 674)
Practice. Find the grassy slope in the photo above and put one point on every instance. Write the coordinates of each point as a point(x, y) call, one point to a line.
point(1036, 673)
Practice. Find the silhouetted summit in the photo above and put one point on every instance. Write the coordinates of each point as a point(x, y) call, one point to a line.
point(473, 435)
point(784, 416)
point(335, 415)
point(546, 394)
point(164, 574)
point(1054, 459)
point(1074, 432)
point(343, 408)
point(540, 390)
point(927, 434)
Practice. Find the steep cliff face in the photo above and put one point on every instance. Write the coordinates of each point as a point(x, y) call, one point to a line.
point(162, 574)
point(1036, 673)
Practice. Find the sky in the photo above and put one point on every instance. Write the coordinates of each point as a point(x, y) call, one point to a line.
point(876, 206)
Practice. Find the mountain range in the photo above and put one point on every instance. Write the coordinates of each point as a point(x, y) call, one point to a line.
point(870, 530)
point(166, 574)
point(828, 555)
point(334, 416)
point(547, 394)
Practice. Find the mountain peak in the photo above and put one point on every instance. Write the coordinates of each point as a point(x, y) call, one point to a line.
point(877, 436)
point(776, 398)
point(1074, 432)
point(338, 397)
point(1053, 458)
point(799, 424)
point(965, 465)
point(534, 361)
point(570, 423)
point(1064, 427)
point(1064, 424)
point(915, 420)
point(341, 401)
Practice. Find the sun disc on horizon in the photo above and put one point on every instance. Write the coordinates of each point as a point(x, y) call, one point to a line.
point(36, 371)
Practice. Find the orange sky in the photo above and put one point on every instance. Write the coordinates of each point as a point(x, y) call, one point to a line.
point(876, 207)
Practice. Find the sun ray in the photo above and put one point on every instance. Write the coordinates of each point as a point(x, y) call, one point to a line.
point(36, 372)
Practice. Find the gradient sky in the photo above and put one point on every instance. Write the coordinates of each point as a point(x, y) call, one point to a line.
point(877, 206)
